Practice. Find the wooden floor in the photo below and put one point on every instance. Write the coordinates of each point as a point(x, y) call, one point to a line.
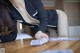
point(23, 46)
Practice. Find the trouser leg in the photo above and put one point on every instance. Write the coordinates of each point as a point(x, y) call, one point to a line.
point(33, 29)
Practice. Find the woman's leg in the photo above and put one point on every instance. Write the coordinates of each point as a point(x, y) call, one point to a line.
point(62, 23)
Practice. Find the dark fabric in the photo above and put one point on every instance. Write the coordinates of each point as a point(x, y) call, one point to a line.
point(31, 7)
point(52, 17)
point(11, 37)
point(48, 17)
point(52, 20)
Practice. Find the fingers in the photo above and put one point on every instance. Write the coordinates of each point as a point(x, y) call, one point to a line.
point(41, 35)
point(44, 36)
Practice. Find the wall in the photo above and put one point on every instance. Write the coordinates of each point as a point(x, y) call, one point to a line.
point(72, 9)
point(59, 4)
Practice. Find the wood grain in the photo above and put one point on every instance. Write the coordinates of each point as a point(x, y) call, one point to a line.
point(23, 46)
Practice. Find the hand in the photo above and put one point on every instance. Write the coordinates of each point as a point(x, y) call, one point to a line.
point(40, 35)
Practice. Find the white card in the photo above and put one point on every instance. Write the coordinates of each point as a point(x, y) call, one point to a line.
point(38, 42)
point(35, 42)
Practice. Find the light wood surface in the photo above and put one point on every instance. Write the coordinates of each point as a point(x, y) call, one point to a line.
point(23, 46)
